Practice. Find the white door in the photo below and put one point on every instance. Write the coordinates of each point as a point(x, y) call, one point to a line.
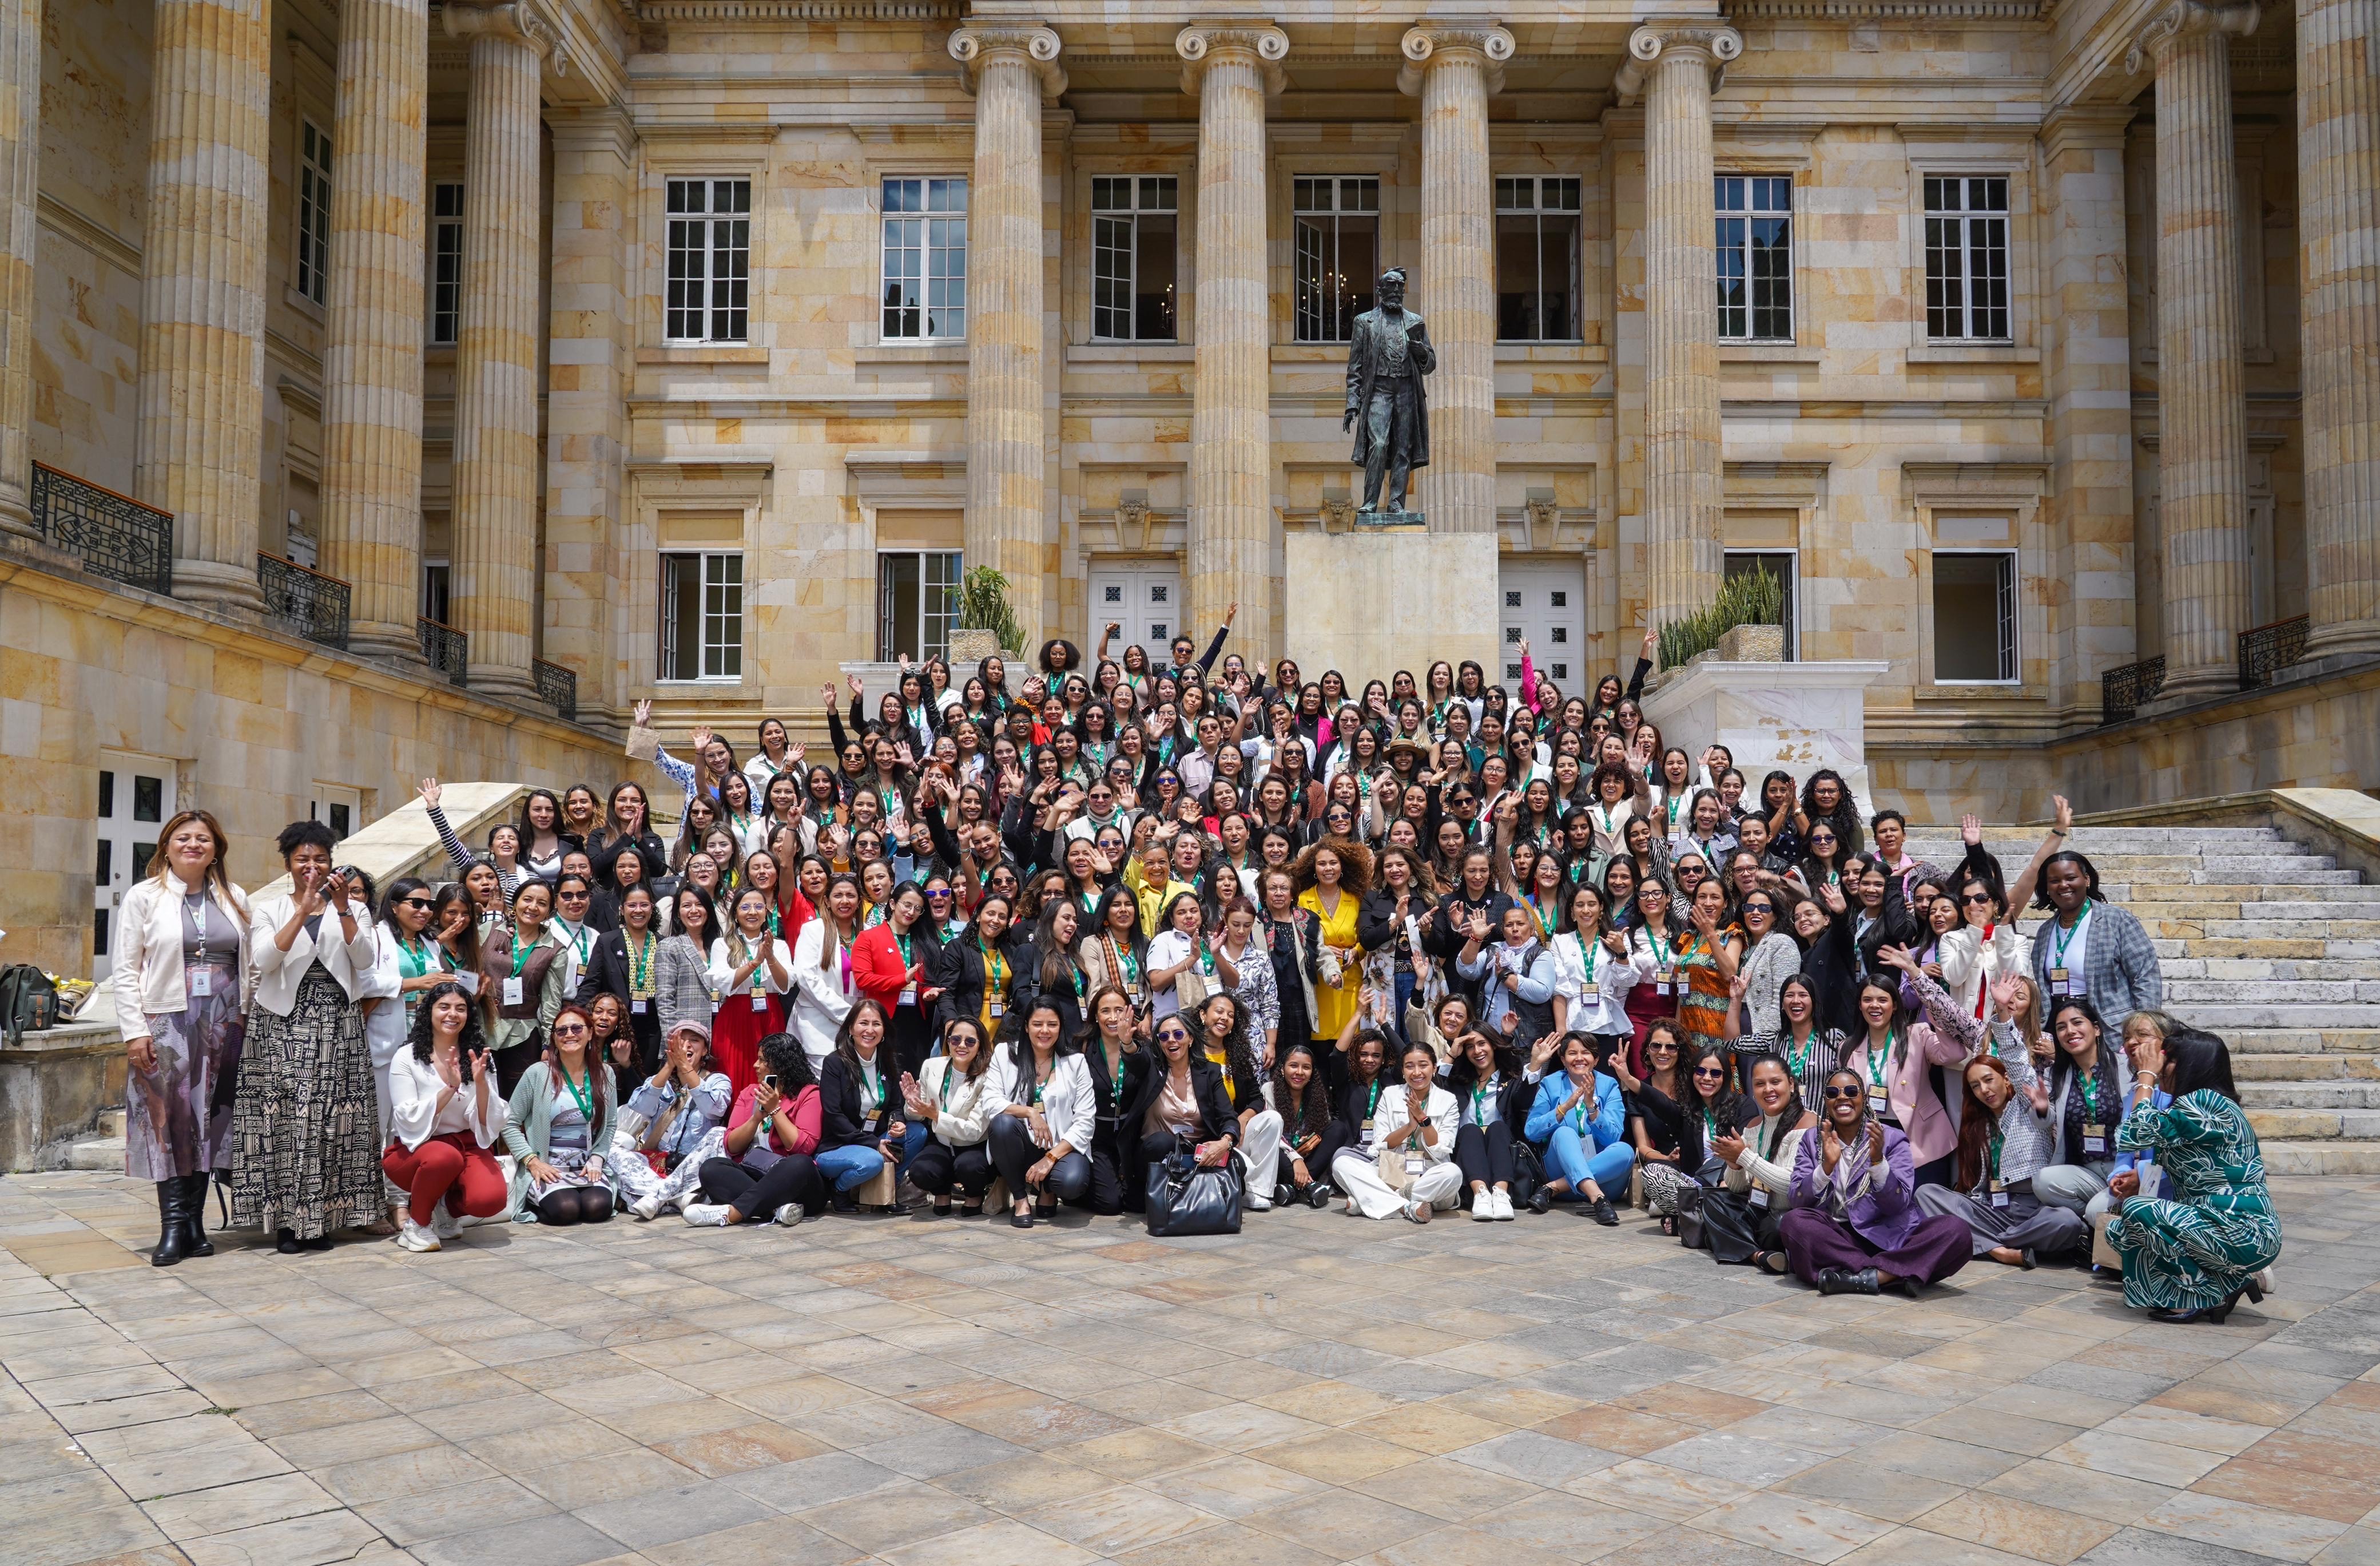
point(339, 808)
point(136, 799)
point(1545, 603)
point(1144, 601)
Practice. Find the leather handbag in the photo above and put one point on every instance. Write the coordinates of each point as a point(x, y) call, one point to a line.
point(1187, 1198)
point(1690, 1216)
point(1528, 1171)
point(1730, 1227)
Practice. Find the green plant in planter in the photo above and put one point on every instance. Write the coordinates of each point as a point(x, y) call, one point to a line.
point(983, 606)
point(1758, 597)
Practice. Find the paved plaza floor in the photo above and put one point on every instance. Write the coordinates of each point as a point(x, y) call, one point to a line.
point(1319, 1388)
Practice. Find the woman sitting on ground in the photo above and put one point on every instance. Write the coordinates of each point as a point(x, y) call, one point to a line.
point(1311, 1132)
point(951, 1099)
point(1759, 1162)
point(562, 1127)
point(2004, 1138)
point(1580, 1125)
point(766, 1164)
point(1414, 1172)
point(446, 1118)
point(1044, 1113)
point(1492, 1097)
point(1856, 1227)
point(683, 1106)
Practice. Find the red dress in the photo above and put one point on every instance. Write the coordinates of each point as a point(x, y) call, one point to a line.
point(737, 1029)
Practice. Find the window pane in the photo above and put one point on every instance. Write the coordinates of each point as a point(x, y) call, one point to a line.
point(681, 607)
point(1153, 296)
point(722, 626)
point(896, 603)
point(148, 800)
point(1516, 277)
point(1968, 623)
point(1557, 266)
point(1111, 276)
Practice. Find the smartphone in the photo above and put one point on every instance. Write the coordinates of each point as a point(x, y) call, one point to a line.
point(769, 1082)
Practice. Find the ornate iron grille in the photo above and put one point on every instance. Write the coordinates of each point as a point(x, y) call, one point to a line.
point(305, 602)
point(448, 650)
point(114, 535)
point(2269, 649)
point(2123, 692)
point(559, 686)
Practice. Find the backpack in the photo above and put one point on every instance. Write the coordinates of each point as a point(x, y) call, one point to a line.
point(28, 1001)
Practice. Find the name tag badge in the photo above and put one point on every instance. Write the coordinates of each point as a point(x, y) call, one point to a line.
point(2000, 1193)
point(1760, 1198)
point(1877, 1103)
point(1415, 1163)
point(203, 982)
point(909, 995)
point(514, 989)
point(759, 1000)
point(469, 979)
point(994, 1009)
point(2095, 1144)
point(637, 1007)
point(1663, 981)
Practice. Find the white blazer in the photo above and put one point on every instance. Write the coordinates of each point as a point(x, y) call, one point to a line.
point(278, 972)
point(966, 1120)
point(384, 1025)
point(822, 998)
point(1601, 1008)
point(1068, 1101)
point(1970, 963)
point(413, 1090)
point(1444, 1113)
point(148, 938)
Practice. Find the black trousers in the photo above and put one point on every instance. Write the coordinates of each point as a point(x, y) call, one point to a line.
point(1106, 1195)
point(757, 1194)
point(1013, 1152)
point(1318, 1163)
point(1484, 1154)
point(576, 1204)
point(939, 1168)
point(912, 1037)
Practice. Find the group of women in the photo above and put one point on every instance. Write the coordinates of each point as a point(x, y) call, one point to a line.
point(1425, 946)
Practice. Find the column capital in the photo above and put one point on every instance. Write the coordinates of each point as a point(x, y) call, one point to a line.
point(522, 21)
point(1037, 45)
point(2185, 20)
point(1432, 42)
point(1713, 43)
point(1204, 44)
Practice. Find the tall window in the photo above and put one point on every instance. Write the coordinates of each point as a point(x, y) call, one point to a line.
point(1778, 563)
point(1974, 616)
point(925, 259)
point(916, 603)
point(1338, 254)
point(1537, 261)
point(445, 261)
point(709, 260)
point(1755, 258)
point(1132, 259)
point(1966, 256)
point(438, 591)
point(702, 616)
point(313, 213)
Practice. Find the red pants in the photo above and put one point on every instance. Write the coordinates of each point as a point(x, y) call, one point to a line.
point(453, 1166)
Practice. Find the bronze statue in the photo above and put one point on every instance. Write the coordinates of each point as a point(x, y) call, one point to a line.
point(1385, 405)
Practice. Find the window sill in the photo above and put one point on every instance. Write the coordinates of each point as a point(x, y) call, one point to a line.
point(1995, 692)
point(708, 682)
point(1131, 353)
point(1973, 353)
point(1766, 353)
point(319, 314)
point(704, 353)
point(948, 350)
point(1552, 353)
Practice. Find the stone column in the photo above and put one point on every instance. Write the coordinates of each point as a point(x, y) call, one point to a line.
point(1232, 69)
point(372, 363)
point(1009, 68)
point(199, 431)
point(1455, 67)
point(495, 353)
point(1676, 68)
point(2202, 401)
point(2338, 236)
point(20, 155)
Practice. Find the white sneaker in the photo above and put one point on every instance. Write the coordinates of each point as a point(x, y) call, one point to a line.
point(707, 1215)
point(1418, 1210)
point(1483, 1207)
point(413, 1237)
point(444, 1223)
point(647, 1209)
point(790, 1213)
point(1259, 1204)
point(1503, 1206)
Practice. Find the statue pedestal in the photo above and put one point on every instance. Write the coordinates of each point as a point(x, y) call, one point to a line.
point(1797, 718)
point(1392, 521)
point(1379, 599)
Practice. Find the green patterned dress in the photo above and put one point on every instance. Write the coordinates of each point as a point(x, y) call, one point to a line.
point(2200, 1248)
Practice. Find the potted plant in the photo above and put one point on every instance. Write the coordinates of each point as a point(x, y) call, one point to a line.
point(986, 622)
point(1743, 623)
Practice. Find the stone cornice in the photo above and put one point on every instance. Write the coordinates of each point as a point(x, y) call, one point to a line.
point(1445, 40)
point(523, 21)
point(2085, 125)
point(1038, 44)
point(2186, 19)
point(1885, 10)
point(1203, 43)
point(1714, 42)
point(799, 10)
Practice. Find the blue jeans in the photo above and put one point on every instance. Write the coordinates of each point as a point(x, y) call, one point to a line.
point(1577, 1159)
point(848, 1169)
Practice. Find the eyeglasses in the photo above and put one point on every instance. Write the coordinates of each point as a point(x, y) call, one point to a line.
point(1711, 1073)
point(1984, 898)
point(574, 897)
point(1660, 1049)
point(938, 896)
point(1174, 1035)
point(1759, 908)
point(574, 1030)
point(1852, 1092)
point(1818, 837)
point(415, 902)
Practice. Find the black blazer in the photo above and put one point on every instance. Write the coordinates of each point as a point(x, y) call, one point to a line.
point(841, 1124)
point(1513, 1100)
point(1215, 1113)
point(1110, 1102)
point(648, 848)
point(1352, 1099)
point(958, 967)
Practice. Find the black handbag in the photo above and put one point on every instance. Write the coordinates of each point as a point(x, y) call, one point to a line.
point(1690, 1215)
point(1528, 1171)
point(1184, 1198)
point(1730, 1226)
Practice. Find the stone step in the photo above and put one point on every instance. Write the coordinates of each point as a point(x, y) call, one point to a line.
point(2330, 1157)
point(2341, 1042)
point(2337, 1093)
point(2224, 1017)
point(2256, 928)
point(2340, 900)
point(2261, 969)
point(2315, 948)
point(111, 1123)
point(2298, 992)
point(2290, 1068)
point(2317, 1125)
point(2015, 845)
point(104, 1154)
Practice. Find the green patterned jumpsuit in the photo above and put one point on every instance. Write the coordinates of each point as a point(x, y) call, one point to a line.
point(2202, 1246)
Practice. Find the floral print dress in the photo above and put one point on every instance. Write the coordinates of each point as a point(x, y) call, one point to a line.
point(2217, 1228)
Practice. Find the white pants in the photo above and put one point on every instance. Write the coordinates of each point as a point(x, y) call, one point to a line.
point(2079, 1188)
point(1359, 1175)
point(635, 1179)
point(1260, 1146)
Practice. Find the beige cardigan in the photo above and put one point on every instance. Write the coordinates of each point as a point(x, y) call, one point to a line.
point(276, 972)
point(148, 938)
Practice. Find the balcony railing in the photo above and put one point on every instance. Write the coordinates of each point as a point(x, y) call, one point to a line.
point(305, 602)
point(2123, 692)
point(448, 650)
point(114, 535)
point(559, 686)
point(2269, 649)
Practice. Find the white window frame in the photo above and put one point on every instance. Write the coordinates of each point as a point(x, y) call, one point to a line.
point(1758, 185)
point(1163, 200)
point(1957, 233)
point(721, 635)
point(328, 798)
point(946, 222)
point(720, 291)
point(1303, 212)
point(444, 316)
point(2010, 614)
point(311, 273)
point(1540, 203)
point(927, 647)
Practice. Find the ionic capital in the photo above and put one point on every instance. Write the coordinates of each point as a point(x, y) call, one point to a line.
point(1204, 43)
point(525, 22)
point(976, 44)
point(1711, 43)
point(1437, 43)
point(2185, 20)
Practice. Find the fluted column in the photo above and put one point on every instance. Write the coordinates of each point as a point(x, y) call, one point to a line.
point(1676, 66)
point(371, 362)
point(2201, 400)
point(1455, 67)
point(199, 433)
point(20, 155)
point(1232, 69)
point(2338, 236)
point(1009, 68)
point(496, 348)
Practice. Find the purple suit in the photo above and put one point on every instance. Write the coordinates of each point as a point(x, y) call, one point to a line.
point(1854, 1218)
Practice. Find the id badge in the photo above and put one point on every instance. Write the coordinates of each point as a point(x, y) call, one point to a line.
point(1365, 1138)
point(759, 1000)
point(202, 982)
point(1878, 1102)
point(1663, 983)
point(469, 979)
point(2000, 1193)
point(2095, 1144)
point(514, 989)
point(1415, 1163)
point(909, 995)
point(637, 1007)
point(1760, 1198)
point(994, 1009)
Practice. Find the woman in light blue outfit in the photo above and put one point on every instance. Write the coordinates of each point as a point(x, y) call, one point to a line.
point(1580, 1125)
point(2191, 1258)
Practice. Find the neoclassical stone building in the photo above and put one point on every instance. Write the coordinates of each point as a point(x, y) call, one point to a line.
point(686, 348)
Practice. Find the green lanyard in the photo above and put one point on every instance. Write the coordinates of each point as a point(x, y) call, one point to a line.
point(1206, 960)
point(995, 971)
point(1663, 953)
point(1372, 1103)
point(903, 942)
point(1876, 1062)
point(1478, 1104)
point(871, 1088)
point(1591, 951)
point(1996, 1155)
point(520, 957)
point(417, 958)
point(1115, 1090)
point(949, 1072)
point(580, 944)
point(641, 966)
point(2062, 938)
point(1798, 1052)
point(1546, 921)
point(1580, 1109)
point(582, 1097)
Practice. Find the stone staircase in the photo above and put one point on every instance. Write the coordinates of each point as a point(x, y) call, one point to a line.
point(2268, 945)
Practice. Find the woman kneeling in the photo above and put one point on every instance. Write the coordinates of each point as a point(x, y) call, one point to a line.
point(446, 1117)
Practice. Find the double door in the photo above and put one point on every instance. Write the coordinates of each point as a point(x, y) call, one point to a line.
point(1143, 600)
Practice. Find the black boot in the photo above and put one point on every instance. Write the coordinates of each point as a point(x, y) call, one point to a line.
point(194, 1210)
point(173, 1230)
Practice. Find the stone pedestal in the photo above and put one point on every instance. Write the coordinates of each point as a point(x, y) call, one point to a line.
point(1794, 716)
point(1372, 602)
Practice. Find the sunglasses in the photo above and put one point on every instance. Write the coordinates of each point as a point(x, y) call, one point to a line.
point(415, 902)
point(1822, 836)
point(1660, 1049)
point(570, 1033)
point(1981, 898)
point(1833, 1092)
point(1759, 908)
point(938, 896)
point(1710, 1073)
point(1174, 1035)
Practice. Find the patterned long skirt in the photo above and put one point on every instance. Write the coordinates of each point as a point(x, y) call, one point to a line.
point(177, 1117)
point(305, 1121)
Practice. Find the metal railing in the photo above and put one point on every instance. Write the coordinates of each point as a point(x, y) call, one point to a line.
point(2123, 692)
point(559, 686)
point(448, 650)
point(2269, 649)
point(114, 535)
point(305, 602)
